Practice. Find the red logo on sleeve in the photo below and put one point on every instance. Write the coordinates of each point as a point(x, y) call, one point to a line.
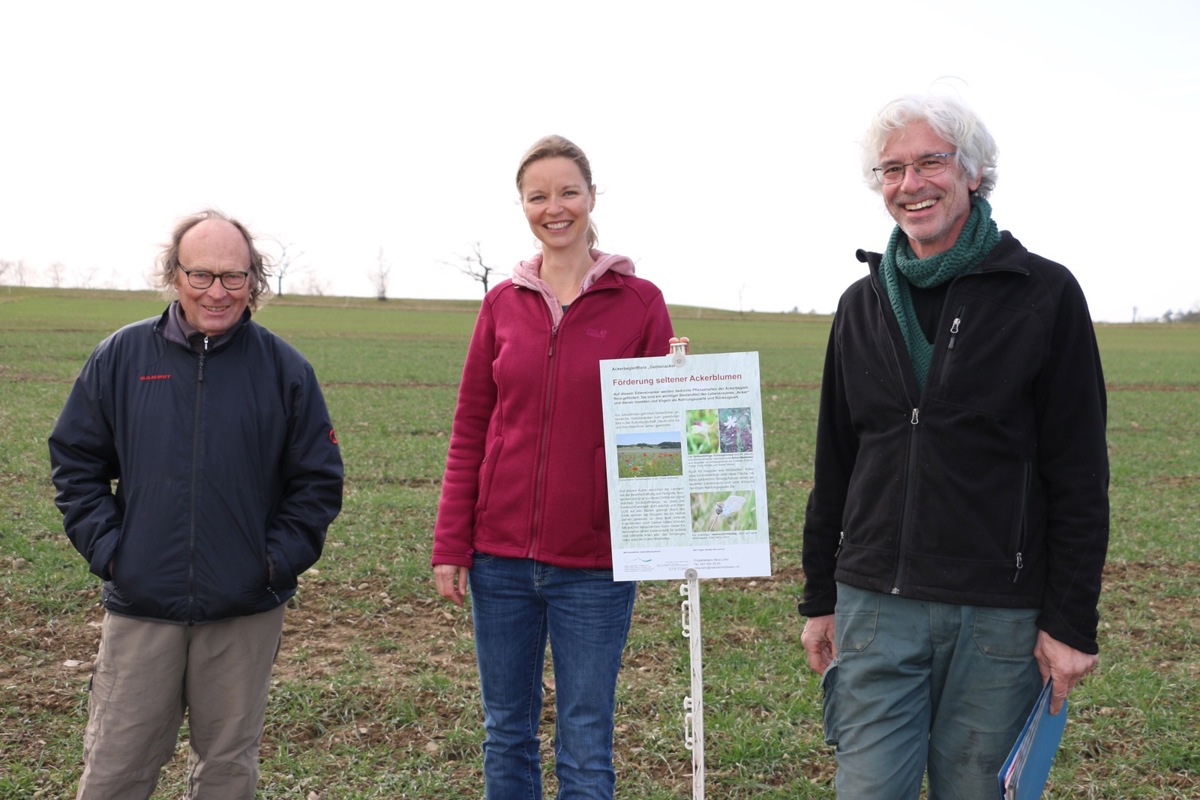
point(332, 436)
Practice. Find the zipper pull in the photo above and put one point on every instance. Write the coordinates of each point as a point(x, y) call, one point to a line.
point(1020, 566)
point(203, 355)
point(914, 419)
point(841, 541)
point(954, 331)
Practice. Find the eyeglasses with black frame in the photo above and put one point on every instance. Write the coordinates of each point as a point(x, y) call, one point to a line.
point(202, 278)
point(925, 166)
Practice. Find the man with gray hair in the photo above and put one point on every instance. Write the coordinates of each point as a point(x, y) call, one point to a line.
point(958, 523)
point(197, 472)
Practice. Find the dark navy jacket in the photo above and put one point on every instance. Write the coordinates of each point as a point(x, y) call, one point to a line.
point(990, 487)
point(226, 466)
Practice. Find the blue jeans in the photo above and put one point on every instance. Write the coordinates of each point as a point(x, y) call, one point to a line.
point(516, 604)
point(920, 685)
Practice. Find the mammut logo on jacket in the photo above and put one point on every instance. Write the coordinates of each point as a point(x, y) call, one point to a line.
point(155, 377)
point(597, 333)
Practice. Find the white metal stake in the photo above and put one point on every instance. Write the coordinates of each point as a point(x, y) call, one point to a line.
point(693, 705)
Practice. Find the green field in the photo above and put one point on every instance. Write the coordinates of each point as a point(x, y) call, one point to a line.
point(375, 689)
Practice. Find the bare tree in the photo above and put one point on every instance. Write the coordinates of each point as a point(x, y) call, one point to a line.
point(13, 273)
point(379, 276)
point(314, 286)
point(284, 264)
point(57, 271)
point(88, 280)
point(474, 267)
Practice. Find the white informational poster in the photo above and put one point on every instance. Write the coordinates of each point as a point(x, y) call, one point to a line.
point(687, 483)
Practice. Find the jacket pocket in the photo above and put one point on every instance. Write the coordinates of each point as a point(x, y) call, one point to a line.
point(1020, 534)
point(948, 358)
point(487, 472)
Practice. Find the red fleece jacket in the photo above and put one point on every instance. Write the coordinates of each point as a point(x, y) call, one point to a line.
point(525, 473)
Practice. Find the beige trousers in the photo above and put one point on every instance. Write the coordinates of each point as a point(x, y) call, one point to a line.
point(148, 674)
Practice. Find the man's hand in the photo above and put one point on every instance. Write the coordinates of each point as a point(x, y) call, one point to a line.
point(1060, 663)
point(818, 642)
point(451, 582)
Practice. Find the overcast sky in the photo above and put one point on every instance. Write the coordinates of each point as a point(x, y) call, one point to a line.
point(723, 136)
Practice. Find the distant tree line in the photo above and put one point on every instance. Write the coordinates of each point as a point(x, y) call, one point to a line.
point(1182, 316)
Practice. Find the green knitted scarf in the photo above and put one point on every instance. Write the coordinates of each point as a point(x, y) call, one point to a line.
point(901, 267)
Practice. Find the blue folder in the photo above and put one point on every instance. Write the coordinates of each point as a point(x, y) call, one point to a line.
point(1023, 776)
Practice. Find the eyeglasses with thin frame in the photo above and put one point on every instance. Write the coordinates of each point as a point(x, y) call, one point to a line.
point(202, 278)
point(925, 166)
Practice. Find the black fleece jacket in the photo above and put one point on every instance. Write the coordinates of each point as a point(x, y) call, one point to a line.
point(990, 487)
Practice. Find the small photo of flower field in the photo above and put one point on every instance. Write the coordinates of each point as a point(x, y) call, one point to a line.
point(649, 455)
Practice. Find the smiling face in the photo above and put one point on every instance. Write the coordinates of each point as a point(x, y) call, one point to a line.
point(930, 210)
point(558, 203)
point(215, 246)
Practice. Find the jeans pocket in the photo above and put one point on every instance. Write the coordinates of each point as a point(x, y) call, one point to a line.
point(829, 716)
point(854, 631)
point(1006, 633)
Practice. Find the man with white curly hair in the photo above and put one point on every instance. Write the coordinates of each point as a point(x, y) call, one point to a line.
point(958, 523)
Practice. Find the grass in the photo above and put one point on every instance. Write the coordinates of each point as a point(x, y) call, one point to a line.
point(375, 692)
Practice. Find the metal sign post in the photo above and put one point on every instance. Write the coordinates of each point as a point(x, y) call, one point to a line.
point(693, 705)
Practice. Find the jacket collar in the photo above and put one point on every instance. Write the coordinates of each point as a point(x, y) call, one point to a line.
point(174, 328)
point(1008, 256)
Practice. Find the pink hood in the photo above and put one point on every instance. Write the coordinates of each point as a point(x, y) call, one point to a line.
point(528, 275)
